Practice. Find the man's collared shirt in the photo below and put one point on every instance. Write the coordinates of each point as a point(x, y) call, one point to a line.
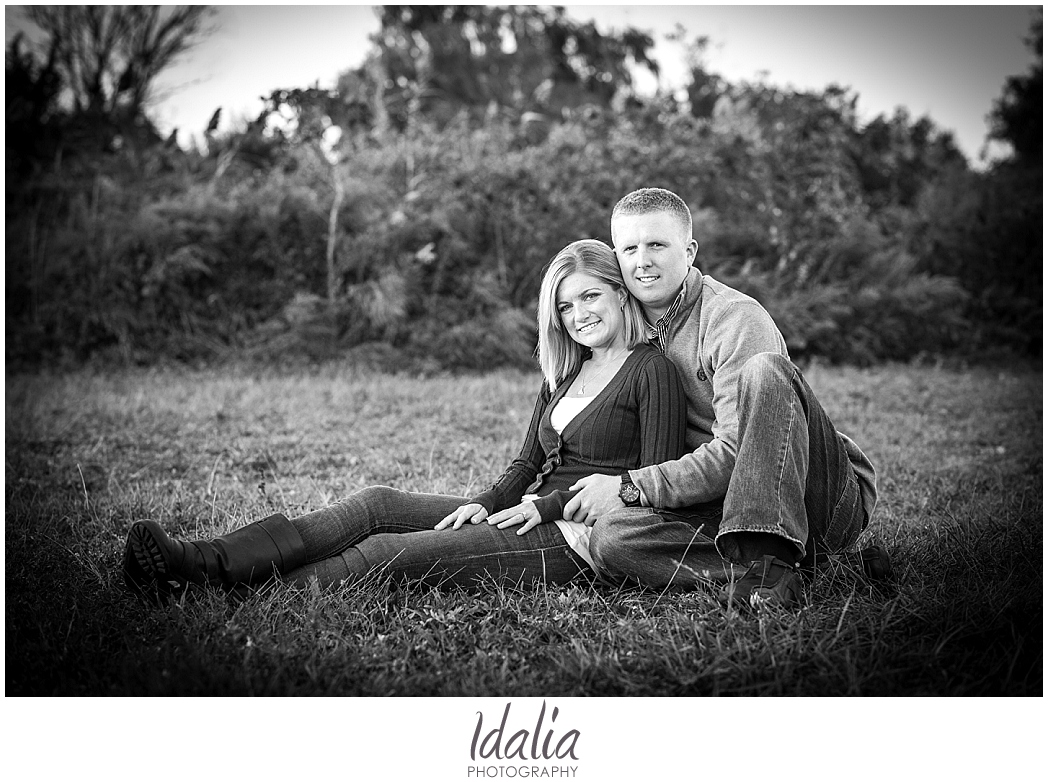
point(657, 333)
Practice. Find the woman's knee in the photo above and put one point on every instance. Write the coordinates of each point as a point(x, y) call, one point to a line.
point(377, 496)
point(373, 501)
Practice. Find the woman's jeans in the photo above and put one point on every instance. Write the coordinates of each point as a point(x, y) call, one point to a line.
point(390, 532)
point(792, 479)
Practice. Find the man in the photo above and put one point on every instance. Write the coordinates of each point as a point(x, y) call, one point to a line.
point(768, 484)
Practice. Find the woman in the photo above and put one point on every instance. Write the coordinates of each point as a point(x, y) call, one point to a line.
point(609, 403)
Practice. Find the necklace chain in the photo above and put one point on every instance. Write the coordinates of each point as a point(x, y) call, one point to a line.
point(582, 388)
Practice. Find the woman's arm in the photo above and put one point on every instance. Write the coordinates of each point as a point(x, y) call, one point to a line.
point(663, 412)
point(510, 487)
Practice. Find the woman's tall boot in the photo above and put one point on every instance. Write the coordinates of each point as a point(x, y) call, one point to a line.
point(247, 556)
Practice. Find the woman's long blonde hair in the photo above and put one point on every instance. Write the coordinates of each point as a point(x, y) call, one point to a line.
point(559, 354)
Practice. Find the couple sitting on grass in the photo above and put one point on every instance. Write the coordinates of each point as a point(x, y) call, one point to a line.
point(673, 444)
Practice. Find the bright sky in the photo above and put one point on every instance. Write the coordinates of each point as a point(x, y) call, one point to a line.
point(949, 62)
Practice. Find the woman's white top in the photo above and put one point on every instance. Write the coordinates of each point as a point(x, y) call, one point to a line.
point(567, 408)
point(575, 533)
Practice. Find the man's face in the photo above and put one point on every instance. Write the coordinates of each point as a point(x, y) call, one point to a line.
point(654, 254)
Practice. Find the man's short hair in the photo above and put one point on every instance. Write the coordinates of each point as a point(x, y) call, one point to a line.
point(655, 199)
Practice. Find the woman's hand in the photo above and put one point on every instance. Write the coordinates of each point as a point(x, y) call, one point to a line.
point(525, 513)
point(472, 512)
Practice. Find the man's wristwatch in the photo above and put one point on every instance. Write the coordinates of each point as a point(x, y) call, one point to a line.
point(628, 491)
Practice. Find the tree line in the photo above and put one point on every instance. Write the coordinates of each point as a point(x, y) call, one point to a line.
point(406, 214)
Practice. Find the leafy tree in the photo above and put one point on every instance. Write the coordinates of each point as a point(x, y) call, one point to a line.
point(1018, 115)
point(108, 57)
point(430, 239)
point(786, 181)
point(1009, 223)
point(440, 60)
point(986, 228)
point(30, 102)
point(897, 158)
point(704, 87)
point(315, 118)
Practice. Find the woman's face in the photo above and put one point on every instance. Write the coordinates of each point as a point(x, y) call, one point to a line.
point(591, 311)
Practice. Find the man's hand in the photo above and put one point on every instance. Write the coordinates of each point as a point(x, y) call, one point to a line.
point(598, 495)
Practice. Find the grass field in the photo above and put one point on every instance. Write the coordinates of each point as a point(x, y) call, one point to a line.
point(961, 477)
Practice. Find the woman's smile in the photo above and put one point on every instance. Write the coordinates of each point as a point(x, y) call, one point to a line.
point(591, 311)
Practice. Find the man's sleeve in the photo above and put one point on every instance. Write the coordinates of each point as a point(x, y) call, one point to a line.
point(702, 475)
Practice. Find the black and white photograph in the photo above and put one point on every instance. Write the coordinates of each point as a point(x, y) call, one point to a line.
point(511, 381)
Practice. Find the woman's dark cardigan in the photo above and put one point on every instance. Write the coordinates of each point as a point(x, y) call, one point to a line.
point(637, 419)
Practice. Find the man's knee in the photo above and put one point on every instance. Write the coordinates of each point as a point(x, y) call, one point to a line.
point(766, 366)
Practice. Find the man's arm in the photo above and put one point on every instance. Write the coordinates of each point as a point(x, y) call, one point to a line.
point(734, 335)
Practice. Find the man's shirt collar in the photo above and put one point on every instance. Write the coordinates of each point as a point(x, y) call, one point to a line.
point(657, 333)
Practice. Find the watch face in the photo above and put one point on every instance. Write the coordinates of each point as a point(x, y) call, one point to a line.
point(629, 493)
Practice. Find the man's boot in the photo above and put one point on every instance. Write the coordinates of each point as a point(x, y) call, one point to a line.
point(247, 556)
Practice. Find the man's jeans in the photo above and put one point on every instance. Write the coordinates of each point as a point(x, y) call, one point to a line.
point(792, 478)
point(385, 530)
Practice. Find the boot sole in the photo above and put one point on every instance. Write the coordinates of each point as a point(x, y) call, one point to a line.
point(140, 577)
point(138, 582)
point(147, 552)
point(150, 558)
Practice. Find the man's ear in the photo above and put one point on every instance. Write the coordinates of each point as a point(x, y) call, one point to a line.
point(692, 251)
